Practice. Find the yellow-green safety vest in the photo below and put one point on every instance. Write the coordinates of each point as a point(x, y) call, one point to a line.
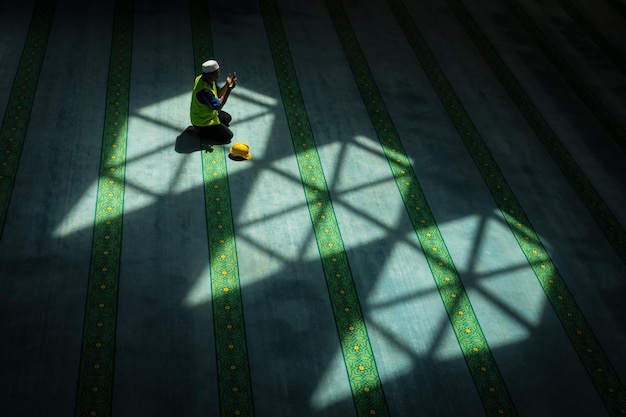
point(201, 114)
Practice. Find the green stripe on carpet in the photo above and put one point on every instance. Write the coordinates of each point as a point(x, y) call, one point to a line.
point(17, 114)
point(233, 370)
point(356, 348)
point(95, 384)
point(473, 344)
point(601, 213)
point(586, 345)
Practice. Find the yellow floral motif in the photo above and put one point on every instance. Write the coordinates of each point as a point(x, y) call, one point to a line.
point(484, 369)
point(226, 289)
point(428, 234)
point(453, 295)
point(346, 309)
point(351, 328)
point(356, 347)
point(461, 312)
point(361, 368)
point(435, 249)
point(366, 389)
point(475, 349)
point(468, 331)
point(223, 256)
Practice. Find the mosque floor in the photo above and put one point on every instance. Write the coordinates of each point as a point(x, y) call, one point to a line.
point(431, 222)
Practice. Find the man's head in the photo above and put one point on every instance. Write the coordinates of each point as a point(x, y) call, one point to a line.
point(210, 70)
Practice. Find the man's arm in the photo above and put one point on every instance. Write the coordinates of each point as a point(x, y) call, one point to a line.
point(224, 91)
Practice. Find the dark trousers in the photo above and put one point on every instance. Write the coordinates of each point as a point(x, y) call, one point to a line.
point(218, 133)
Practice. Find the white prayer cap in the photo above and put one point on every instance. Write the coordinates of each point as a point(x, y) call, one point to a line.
point(210, 66)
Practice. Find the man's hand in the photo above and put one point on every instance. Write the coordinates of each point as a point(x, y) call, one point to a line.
point(231, 80)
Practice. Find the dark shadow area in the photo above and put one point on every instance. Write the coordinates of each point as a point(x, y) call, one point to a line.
point(165, 342)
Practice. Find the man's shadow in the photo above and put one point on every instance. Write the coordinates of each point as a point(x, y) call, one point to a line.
point(188, 143)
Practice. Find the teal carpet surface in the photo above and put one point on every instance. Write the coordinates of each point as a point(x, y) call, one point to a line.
point(431, 223)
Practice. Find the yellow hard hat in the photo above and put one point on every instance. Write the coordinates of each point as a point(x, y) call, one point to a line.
point(240, 150)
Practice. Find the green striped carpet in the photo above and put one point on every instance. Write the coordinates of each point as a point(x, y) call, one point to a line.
point(431, 223)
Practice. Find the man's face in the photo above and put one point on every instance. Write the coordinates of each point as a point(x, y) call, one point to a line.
point(212, 76)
